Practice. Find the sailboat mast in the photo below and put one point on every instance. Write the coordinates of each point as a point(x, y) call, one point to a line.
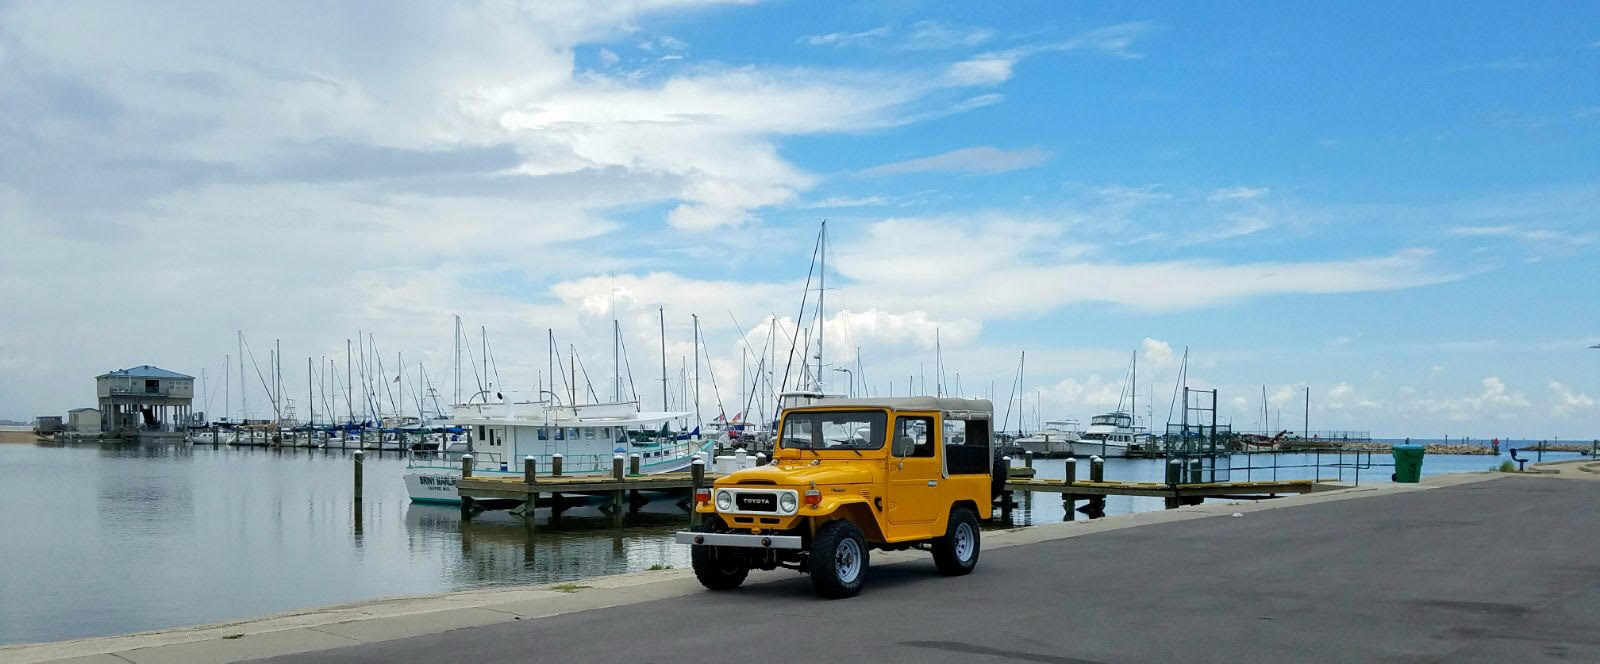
point(227, 392)
point(696, 318)
point(1133, 400)
point(455, 342)
point(661, 313)
point(483, 336)
point(311, 415)
point(244, 407)
point(822, 291)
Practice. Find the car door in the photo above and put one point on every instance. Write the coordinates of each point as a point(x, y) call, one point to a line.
point(914, 470)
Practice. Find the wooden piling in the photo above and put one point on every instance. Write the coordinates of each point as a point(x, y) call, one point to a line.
point(555, 465)
point(530, 468)
point(1174, 477)
point(1069, 501)
point(633, 464)
point(466, 466)
point(1196, 471)
point(1027, 458)
point(359, 462)
point(697, 475)
point(1097, 473)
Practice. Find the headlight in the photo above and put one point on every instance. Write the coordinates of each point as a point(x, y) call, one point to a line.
point(787, 502)
point(724, 501)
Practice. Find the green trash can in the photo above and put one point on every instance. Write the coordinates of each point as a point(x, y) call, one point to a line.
point(1408, 463)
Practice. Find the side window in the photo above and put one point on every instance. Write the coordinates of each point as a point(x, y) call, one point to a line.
point(914, 436)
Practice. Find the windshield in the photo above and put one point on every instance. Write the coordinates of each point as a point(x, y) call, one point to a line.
point(859, 430)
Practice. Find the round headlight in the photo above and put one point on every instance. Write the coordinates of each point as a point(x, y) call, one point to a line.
point(724, 500)
point(787, 502)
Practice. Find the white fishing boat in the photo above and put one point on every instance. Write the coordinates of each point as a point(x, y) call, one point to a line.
point(586, 437)
point(1054, 438)
point(1109, 436)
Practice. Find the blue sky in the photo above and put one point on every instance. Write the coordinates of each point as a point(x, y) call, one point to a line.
point(1392, 205)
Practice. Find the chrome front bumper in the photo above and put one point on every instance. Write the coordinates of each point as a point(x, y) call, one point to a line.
point(739, 540)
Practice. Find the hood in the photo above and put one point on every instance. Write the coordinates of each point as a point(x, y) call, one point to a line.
point(804, 473)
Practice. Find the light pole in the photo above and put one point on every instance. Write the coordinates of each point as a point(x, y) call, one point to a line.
point(850, 376)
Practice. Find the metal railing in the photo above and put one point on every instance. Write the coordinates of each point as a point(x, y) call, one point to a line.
point(1320, 464)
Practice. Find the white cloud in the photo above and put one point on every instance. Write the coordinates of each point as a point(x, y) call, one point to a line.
point(850, 201)
point(983, 159)
point(608, 58)
point(837, 39)
point(981, 70)
point(1158, 354)
point(1238, 193)
point(920, 36)
point(1566, 401)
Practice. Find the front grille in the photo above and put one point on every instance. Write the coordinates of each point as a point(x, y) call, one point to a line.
point(756, 502)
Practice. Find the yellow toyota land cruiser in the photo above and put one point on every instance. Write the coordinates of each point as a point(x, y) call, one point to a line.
point(848, 476)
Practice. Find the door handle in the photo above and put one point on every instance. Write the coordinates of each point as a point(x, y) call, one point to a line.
point(933, 482)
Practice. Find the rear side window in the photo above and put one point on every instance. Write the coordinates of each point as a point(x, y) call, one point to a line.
point(969, 455)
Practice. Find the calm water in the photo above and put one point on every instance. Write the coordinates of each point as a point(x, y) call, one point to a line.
point(113, 540)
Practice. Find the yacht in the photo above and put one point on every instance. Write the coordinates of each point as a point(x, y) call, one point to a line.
point(1110, 436)
point(1053, 439)
point(586, 437)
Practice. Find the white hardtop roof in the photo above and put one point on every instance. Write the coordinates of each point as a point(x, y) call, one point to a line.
point(948, 404)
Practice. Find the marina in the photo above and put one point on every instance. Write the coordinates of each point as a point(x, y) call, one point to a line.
point(174, 535)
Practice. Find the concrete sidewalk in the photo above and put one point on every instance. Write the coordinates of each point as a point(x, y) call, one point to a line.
point(1455, 567)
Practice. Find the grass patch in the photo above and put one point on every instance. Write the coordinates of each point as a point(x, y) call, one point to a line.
point(1505, 467)
point(657, 567)
point(568, 587)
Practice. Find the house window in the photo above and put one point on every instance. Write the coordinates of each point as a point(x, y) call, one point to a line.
point(152, 387)
point(544, 433)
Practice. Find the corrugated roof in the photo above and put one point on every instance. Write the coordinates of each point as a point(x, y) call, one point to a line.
point(145, 371)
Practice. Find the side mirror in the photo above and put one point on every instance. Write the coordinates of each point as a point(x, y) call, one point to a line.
point(903, 446)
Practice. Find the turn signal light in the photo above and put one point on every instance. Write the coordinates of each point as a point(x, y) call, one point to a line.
point(702, 495)
point(813, 497)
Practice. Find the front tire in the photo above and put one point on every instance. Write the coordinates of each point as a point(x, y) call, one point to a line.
point(956, 553)
point(838, 560)
point(717, 572)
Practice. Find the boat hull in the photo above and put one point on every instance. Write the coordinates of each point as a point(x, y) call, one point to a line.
point(1104, 450)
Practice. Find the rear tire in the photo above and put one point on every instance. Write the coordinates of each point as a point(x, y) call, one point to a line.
point(838, 560)
point(956, 553)
point(717, 572)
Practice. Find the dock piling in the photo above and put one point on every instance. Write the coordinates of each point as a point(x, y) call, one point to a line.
point(1027, 458)
point(530, 468)
point(555, 465)
point(1196, 471)
point(1174, 477)
point(697, 475)
point(1097, 473)
point(1069, 501)
point(466, 466)
point(359, 462)
point(633, 464)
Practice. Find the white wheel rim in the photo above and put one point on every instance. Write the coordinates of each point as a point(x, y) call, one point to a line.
point(847, 560)
point(964, 547)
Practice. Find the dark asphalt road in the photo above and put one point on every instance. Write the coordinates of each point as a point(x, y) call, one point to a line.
point(1498, 571)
